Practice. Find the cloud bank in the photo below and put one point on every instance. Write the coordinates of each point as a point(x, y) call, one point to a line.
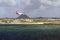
point(49, 3)
point(8, 2)
point(32, 8)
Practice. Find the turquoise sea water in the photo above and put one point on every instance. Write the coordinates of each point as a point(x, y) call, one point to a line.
point(29, 32)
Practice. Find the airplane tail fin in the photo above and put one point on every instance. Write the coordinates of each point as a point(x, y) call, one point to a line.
point(18, 13)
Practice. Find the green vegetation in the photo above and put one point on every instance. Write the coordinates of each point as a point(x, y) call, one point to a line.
point(29, 21)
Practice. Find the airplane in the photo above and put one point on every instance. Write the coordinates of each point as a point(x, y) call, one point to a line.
point(18, 13)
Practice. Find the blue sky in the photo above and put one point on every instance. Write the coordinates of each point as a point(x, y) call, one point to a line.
point(32, 8)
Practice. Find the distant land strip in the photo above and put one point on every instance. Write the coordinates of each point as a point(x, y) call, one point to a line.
point(29, 21)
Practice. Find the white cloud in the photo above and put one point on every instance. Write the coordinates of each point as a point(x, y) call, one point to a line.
point(42, 7)
point(14, 2)
point(8, 2)
point(23, 3)
point(51, 2)
point(27, 2)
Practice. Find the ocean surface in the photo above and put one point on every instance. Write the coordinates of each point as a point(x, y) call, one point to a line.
point(29, 32)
